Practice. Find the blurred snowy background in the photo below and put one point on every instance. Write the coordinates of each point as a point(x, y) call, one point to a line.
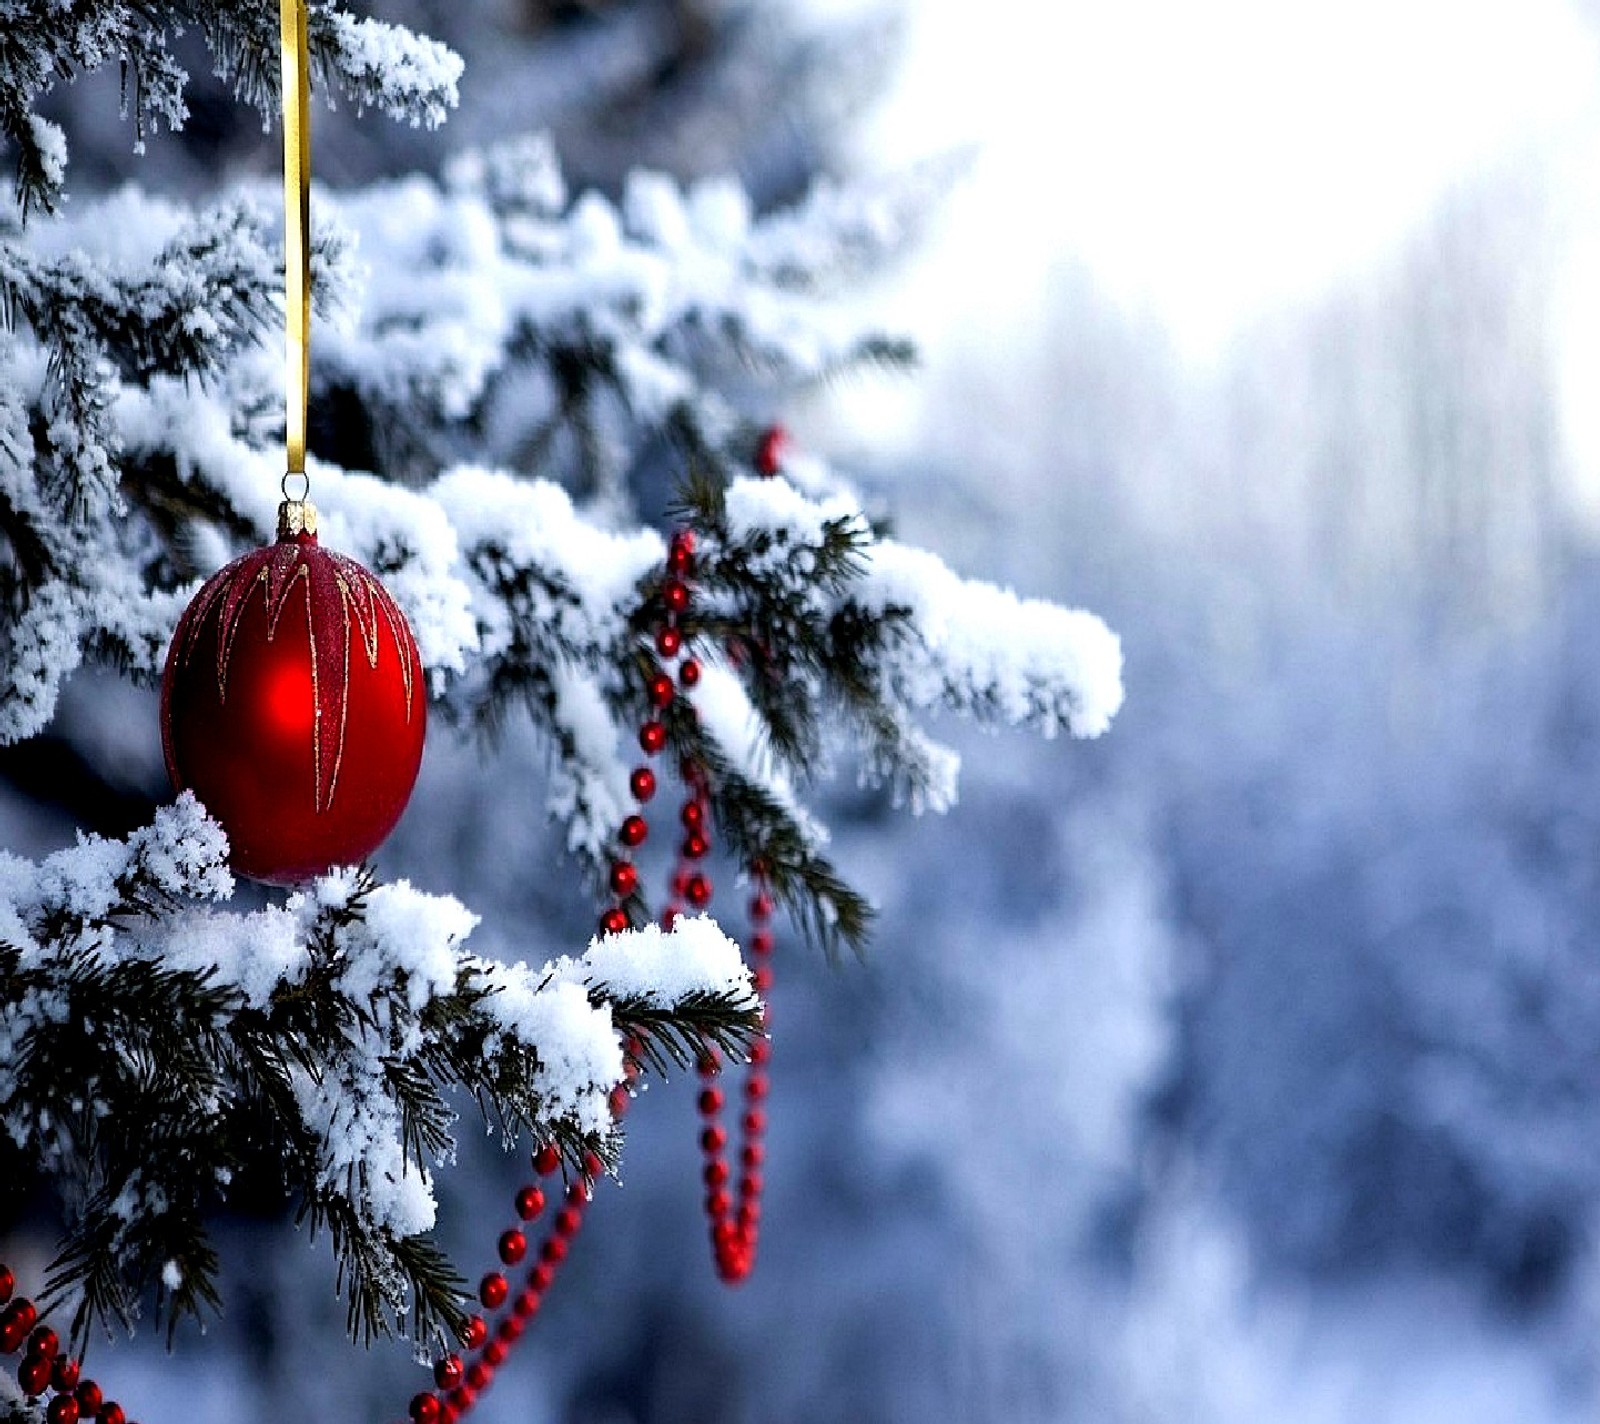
point(1242, 1066)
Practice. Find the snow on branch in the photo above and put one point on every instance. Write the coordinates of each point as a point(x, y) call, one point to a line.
point(136, 355)
point(387, 67)
point(889, 631)
point(407, 76)
point(981, 650)
point(651, 302)
point(840, 231)
point(499, 313)
point(329, 1027)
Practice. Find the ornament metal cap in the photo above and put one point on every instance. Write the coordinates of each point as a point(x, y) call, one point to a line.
point(297, 517)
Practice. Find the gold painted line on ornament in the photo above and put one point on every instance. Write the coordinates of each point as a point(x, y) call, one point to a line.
point(317, 802)
point(392, 611)
point(200, 609)
point(366, 616)
point(229, 618)
point(344, 699)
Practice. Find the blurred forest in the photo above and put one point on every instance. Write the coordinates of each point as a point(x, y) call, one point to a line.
point(1244, 1065)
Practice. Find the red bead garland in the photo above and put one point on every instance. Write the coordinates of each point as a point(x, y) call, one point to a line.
point(462, 1379)
point(735, 1221)
point(44, 1367)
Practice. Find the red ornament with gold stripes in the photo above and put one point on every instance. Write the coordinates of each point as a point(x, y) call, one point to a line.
point(293, 706)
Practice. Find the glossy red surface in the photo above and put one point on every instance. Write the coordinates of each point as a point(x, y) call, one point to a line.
point(293, 705)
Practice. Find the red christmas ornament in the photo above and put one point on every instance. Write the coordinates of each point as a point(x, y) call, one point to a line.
point(293, 706)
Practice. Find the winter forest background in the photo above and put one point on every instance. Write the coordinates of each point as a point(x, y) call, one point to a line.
point(1243, 1065)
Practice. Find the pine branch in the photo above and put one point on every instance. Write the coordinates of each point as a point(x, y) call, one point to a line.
point(325, 1070)
point(319, 1047)
point(42, 43)
point(679, 1036)
point(760, 829)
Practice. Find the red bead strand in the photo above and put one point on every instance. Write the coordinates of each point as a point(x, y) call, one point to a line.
point(45, 1367)
point(735, 1217)
point(463, 1378)
point(660, 692)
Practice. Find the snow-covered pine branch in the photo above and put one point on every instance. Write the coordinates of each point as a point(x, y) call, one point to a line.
point(519, 599)
point(499, 285)
point(494, 312)
point(883, 631)
point(495, 299)
point(384, 67)
point(491, 329)
point(152, 1045)
point(42, 42)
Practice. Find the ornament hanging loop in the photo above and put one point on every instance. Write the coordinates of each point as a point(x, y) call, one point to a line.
point(296, 230)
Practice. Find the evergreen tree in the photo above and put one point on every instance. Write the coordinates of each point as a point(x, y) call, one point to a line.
point(502, 369)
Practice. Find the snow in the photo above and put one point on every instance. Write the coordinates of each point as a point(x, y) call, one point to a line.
point(719, 212)
point(50, 143)
point(970, 645)
point(588, 785)
point(181, 852)
point(580, 1057)
point(256, 954)
point(47, 642)
point(727, 717)
point(773, 507)
point(979, 647)
point(404, 937)
point(662, 967)
point(115, 235)
point(653, 211)
point(357, 1124)
point(454, 276)
point(407, 75)
point(533, 524)
point(396, 950)
point(518, 175)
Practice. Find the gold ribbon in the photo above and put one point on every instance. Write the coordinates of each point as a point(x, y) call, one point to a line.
point(296, 227)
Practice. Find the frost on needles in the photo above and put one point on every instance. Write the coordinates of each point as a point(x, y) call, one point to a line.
point(505, 357)
point(154, 1045)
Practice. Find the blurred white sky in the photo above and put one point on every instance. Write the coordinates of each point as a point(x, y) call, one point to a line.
point(1208, 160)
